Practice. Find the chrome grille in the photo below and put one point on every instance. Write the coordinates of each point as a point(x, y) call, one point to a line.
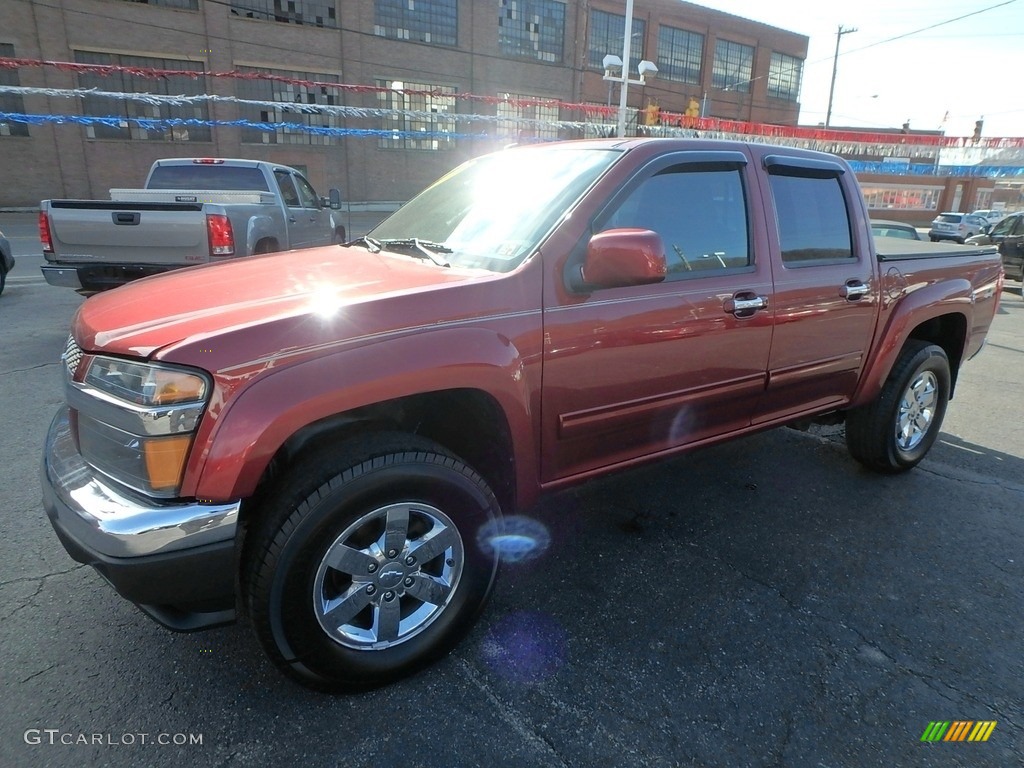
point(72, 356)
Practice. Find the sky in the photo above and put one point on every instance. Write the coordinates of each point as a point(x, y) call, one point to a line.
point(970, 68)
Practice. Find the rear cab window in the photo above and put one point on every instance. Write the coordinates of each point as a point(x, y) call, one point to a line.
point(811, 211)
point(197, 176)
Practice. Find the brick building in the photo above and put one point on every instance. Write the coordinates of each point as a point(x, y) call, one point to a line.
point(424, 56)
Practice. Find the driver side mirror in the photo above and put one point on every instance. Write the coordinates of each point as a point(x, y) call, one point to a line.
point(333, 200)
point(986, 228)
point(622, 257)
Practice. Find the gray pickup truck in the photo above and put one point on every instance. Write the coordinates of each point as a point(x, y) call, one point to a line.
point(191, 211)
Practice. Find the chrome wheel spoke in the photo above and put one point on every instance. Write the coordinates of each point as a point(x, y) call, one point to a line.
point(433, 544)
point(396, 530)
point(351, 603)
point(429, 589)
point(387, 619)
point(348, 560)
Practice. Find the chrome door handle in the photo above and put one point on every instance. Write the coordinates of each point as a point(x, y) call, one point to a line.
point(737, 306)
point(854, 290)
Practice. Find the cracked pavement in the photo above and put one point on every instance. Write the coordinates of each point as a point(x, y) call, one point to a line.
point(761, 603)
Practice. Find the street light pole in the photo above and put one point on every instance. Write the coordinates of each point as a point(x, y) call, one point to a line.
point(621, 128)
point(835, 66)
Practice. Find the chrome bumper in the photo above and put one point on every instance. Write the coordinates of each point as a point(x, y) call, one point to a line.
point(63, 277)
point(113, 523)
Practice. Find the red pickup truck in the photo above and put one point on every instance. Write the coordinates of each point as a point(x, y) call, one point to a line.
point(328, 440)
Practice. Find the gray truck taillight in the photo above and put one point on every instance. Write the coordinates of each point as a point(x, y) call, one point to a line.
point(222, 238)
point(44, 232)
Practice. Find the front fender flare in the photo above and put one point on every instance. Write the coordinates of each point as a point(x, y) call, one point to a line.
point(260, 418)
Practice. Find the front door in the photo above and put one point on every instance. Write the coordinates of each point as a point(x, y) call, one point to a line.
point(632, 371)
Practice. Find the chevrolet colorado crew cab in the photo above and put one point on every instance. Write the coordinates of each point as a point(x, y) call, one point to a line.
point(192, 211)
point(327, 441)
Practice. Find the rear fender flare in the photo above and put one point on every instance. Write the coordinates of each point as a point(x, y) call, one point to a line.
point(260, 228)
point(919, 306)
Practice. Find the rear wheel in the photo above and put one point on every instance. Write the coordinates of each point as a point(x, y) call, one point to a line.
point(3, 279)
point(894, 433)
point(365, 567)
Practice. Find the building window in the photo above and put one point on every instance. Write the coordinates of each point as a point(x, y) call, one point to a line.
point(901, 197)
point(680, 54)
point(511, 115)
point(417, 113)
point(124, 82)
point(185, 5)
point(317, 13)
point(784, 77)
point(607, 31)
point(10, 102)
point(733, 67)
point(421, 21)
point(533, 29)
point(291, 123)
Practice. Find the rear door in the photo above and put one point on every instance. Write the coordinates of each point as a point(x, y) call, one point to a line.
point(826, 294)
point(635, 370)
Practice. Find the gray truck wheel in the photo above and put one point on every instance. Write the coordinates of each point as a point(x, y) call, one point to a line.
point(3, 279)
point(365, 566)
point(894, 433)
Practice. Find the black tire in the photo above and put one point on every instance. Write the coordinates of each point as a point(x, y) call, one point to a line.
point(264, 246)
point(915, 394)
point(339, 236)
point(340, 501)
point(934, 239)
point(3, 279)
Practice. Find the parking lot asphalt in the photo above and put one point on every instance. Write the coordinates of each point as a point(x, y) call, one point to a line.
point(761, 603)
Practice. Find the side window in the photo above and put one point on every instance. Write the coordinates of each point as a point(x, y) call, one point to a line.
point(284, 181)
point(701, 216)
point(306, 193)
point(1004, 226)
point(814, 225)
point(1019, 229)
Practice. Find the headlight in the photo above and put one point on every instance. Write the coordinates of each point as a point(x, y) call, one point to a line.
point(145, 384)
point(136, 421)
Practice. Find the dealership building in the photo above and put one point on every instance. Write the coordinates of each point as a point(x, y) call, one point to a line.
point(375, 97)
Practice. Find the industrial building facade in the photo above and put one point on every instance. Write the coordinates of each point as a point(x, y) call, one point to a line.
point(421, 84)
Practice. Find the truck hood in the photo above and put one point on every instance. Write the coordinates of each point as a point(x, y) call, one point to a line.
point(186, 307)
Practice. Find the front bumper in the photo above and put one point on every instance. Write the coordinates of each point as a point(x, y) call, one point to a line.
point(176, 560)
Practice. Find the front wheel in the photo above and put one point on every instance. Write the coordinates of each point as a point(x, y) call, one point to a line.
point(894, 433)
point(365, 565)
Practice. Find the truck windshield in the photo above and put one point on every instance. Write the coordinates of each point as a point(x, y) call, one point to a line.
point(492, 212)
point(195, 176)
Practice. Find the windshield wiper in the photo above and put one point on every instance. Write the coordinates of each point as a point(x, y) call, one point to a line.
point(373, 246)
point(429, 249)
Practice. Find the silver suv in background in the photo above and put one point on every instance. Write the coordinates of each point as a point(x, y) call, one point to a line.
point(955, 226)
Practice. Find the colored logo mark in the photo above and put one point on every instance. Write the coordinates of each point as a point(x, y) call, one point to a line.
point(958, 730)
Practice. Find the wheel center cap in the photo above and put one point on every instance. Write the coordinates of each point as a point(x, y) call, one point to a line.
point(391, 576)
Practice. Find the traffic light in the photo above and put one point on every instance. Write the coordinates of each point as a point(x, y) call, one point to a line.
point(978, 124)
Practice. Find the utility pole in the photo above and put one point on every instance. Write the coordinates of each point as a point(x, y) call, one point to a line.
point(620, 130)
point(835, 66)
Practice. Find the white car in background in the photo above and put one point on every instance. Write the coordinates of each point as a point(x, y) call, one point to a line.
point(991, 215)
point(956, 226)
